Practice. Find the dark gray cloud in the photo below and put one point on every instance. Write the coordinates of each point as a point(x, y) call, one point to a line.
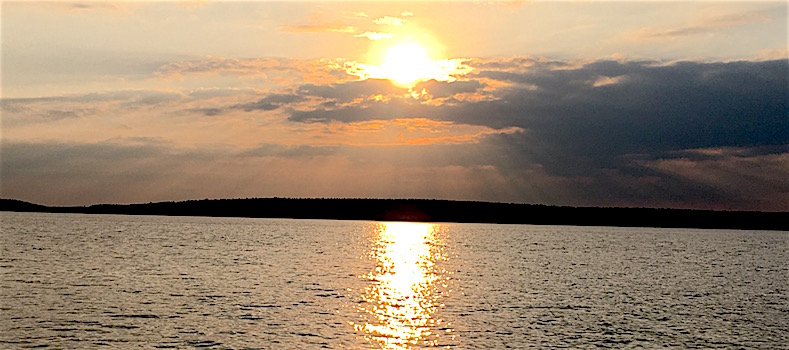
point(652, 109)
point(649, 108)
point(271, 102)
point(603, 125)
point(209, 112)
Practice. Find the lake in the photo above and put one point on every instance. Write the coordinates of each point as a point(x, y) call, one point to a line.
point(87, 281)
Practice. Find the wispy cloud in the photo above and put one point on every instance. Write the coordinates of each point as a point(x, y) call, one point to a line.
point(374, 35)
point(356, 14)
point(275, 70)
point(117, 8)
point(390, 21)
point(708, 25)
point(331, 27)
point(271, 102)
point(605, 81)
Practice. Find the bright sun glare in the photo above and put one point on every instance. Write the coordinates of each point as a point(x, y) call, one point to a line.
point(408, 63)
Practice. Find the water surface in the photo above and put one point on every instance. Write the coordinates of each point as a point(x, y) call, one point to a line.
point(80, 281)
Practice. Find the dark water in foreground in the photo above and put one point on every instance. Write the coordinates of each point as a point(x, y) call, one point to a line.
point(76, 281)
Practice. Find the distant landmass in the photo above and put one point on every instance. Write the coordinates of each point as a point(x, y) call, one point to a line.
point(430, 211)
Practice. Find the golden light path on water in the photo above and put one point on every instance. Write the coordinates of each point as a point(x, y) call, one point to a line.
point(402, 297)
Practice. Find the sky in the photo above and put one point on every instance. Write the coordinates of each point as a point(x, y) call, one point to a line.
point(631, 104)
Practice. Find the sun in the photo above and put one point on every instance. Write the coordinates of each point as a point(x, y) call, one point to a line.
point(407, 63)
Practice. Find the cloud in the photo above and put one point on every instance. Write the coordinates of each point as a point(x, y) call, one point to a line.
point(18, 112)
point(300, 151)
point(709, 25)
point(175, 116)
point(76, 174)
point(247, 68)
point(374, 35)
point(604, 80)
point(84, 173)
point(602, 126)
point(442, 70)
point(591, 132)
point(217, 65)
point(368, 111)
point(748, 178)
point(769, 55)
point(655, 109)
point(438, 89)
point(209, 112)
point(348, 91)
point(406, 131)
point(460, 139)
point(356, 14)
point(390, 21)
point(29, 112)
point(282, 71)
point(271, 102)
point(117, 9)
point(331, 27)
point(683, 105)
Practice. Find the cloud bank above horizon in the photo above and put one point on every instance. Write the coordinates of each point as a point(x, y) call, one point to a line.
point(679, 125)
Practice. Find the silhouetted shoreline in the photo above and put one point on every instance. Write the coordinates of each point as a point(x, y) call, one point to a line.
point(431, 211)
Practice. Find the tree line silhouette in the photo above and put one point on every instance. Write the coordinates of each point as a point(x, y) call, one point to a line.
point(431, 211)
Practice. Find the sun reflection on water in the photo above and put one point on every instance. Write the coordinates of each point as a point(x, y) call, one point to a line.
point(401, 300)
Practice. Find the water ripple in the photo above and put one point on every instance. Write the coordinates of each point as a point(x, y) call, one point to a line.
point(77, 281)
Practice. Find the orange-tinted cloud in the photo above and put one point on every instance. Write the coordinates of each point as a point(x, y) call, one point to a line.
point(374, 35)
point(401, 131)
point(390, 21)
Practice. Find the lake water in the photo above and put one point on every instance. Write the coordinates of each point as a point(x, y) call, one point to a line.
point(80, 281)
